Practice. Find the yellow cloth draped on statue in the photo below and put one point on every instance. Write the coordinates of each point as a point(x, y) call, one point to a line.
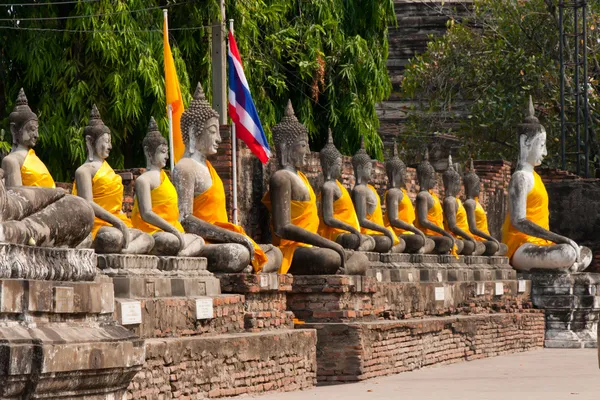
point(461, 219)
point(480, 220)
point(164, 204)
point(406, 213)
point(210, 206)
point(343, 210)
point(35, 173)
point(107, 189)
point(537, 212)
point(435, 215)
point(377, 217)
point(304, 214)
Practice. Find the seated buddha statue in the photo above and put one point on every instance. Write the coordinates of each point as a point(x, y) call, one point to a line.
point(155, 207)
point(368, 206)
point(477, 217)
point(294, 214)
point(430, 215)
point(22, 167)
point(202, 205)
point(455, 215)
point(400, 213)
point(339, 221)
point(96, 182)
point(526, 229)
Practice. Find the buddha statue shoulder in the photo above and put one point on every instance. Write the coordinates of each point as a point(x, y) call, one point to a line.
point(339, 221)
point(400, 214)
point(97, 182)
point(22, 167)
point(155, 208)
point(368, 206)
point(455, 215)
point(292, 203)
point(526, 229)
point(202, 200)
point(430, 214)
point(477, 217)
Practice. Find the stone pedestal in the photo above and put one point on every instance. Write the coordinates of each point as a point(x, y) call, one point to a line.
point(572, 306)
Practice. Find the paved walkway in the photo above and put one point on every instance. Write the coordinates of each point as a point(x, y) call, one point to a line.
point(542, 374)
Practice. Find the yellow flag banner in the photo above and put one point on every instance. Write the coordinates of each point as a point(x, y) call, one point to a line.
point(174, 97)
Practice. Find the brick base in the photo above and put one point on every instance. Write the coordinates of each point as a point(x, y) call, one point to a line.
point(226, 365)
point(362, 350)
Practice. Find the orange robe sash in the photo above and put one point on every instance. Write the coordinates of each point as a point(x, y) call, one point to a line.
point(343, 210)
point(406, 213)
point(35, 173)
point(377, 217)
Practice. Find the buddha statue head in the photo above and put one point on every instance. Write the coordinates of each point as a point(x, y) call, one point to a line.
point(200, 125)
point(451, 179)
point(291, 140)
point(23, 123)
point(97, 137)
point(362, 164)
point(395, 170)
point(331, 159)
point(156, 148)
point(532, 138)
point(426, 173)
point(472, 182)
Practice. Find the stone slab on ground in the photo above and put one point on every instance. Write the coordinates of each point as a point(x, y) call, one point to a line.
point(356, 351)
point(227, 365)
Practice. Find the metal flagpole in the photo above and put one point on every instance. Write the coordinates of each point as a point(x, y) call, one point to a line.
point(169, 106)
point(234, 155)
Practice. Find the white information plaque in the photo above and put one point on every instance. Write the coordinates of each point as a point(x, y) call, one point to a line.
point(522, 285)
point(499, 288)
point(410, 277)
point(480, 288)
point(204, 308)
point(379, 276)
point(439, 294)
point(264, 280)
point(131, 312)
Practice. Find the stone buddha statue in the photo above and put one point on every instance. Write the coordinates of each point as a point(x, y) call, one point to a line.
point(202, 205)
point(531, 245)
point(430, 215)
point(294, 215)
point(368, 206)
point(339, 221)
point(400, 214)
point(155, 208)
point(477, 217)
point(96, 182)
point(21, 166)
point(455, 215)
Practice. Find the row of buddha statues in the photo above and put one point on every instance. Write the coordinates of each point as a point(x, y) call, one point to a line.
point(188, 217)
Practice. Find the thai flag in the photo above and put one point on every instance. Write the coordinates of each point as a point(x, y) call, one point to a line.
point(241, 107)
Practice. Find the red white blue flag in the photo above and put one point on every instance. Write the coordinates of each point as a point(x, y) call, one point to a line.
point(241, 107)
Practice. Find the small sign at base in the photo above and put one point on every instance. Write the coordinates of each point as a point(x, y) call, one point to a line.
point(480, 288)
point(131, 312)
point(379, 276)
point(522, 285)
point(264, 281)
point(499, 288)
point(439, 294)
point(204, 308)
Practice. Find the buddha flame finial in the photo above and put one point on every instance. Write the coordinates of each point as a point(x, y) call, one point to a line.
point(329, 136)
point(95, 114)
point(152, 126)
point(471, 167)
point(395, 149)
point(21, 98)
point(199, 93)
point(450, 165)
point(426, 155)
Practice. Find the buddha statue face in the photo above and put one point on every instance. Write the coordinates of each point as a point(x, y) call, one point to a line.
point(426, 174)
point(291, 140)
point(207, 142)
point(23, 123)
point(472, 183)
point(451, 180)
point(200, 126)
point(98, 140)
point(533, 148)
point(27, 135)
point(155, 146)
point(297, 153)
point(102, 146)
point(362, 164)
point(331, 159)
point(395, 170)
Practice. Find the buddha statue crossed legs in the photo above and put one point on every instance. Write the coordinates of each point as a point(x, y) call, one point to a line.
point(22, 167)
point(155, 209)
point(202, 205)
point(368, 206)
point(400, 213)
point(531, 245)
point(339, 221)
point(294, 215)
point(96, 182)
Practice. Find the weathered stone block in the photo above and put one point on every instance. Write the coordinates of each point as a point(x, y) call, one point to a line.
point(63, 300)
point(128, 264)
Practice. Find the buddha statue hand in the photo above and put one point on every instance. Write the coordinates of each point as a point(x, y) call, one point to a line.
point(125, 231)
point(181, 239)
point(366, 242)
point(566, 240)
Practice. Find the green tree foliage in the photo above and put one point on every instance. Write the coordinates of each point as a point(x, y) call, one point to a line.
point(493, 60)
point(328, 56)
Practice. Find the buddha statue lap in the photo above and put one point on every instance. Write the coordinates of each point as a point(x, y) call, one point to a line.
point(202, 202)
point(155, 208)
point(96, 182)
point(526, 229)
point(339, 222)
point(430, 215)
point(455, 215)
point(368, 206)
point(400, 214)
point(294, 215)
point(22, 167)
point(477, 218)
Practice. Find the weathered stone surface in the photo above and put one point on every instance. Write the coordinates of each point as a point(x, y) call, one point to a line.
point(47, 263)
point(161, 286)
point(183, 266)
point(356, 351)
point(227, 365)
point(128, 265)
